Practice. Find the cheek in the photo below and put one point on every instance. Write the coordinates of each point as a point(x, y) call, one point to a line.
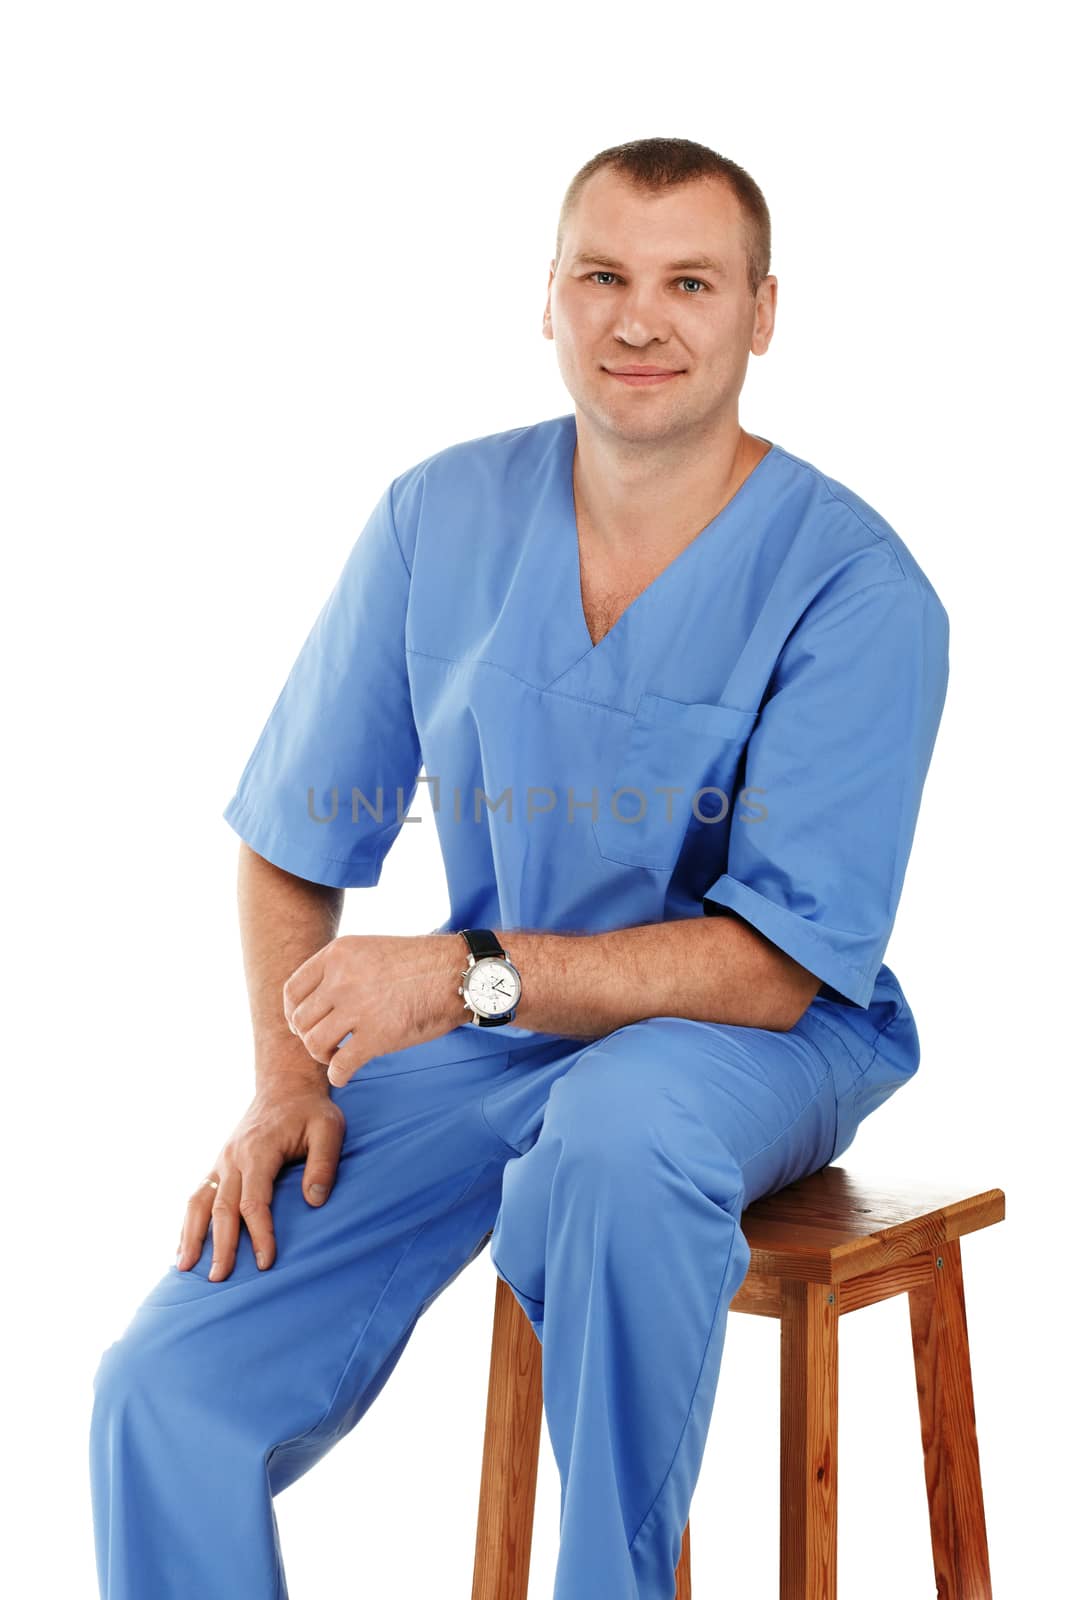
point(719, 349)
point(578, 320)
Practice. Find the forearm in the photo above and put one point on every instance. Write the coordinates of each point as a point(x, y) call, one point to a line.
point(712, 969)
point(284, 920)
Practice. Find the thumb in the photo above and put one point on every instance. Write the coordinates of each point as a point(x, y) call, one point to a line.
point(324, 1148)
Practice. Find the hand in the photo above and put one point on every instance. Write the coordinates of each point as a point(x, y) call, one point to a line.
point(364, 995)
point(283, 1123)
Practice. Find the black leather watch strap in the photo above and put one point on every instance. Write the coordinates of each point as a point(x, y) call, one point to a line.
point(482, 942)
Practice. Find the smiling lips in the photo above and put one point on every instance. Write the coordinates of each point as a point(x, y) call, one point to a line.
point(638, 377)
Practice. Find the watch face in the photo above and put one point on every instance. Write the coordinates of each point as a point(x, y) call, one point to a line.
point(492, 986)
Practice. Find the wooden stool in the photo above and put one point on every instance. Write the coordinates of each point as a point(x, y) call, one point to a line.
point(820, 1247)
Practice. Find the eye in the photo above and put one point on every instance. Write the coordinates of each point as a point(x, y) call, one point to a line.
point(604, 273)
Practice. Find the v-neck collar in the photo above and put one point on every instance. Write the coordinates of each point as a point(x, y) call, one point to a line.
point(565, 459)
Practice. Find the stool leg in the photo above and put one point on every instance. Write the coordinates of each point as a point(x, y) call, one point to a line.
point(808, 1514)
point(683, 1583)
point(950, 1441)
point(509, 1456)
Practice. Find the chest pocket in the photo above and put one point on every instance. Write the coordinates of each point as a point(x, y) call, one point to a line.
point(677, 745)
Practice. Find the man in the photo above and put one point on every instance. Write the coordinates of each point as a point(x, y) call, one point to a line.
point(676, 693)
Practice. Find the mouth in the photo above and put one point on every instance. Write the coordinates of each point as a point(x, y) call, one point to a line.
point(639, 376)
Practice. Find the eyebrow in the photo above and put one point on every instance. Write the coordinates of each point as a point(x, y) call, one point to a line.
point(702, 263)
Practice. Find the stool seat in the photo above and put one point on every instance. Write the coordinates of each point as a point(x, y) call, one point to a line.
point(827, 1244)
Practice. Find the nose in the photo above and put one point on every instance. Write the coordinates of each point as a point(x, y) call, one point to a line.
point(637, 327)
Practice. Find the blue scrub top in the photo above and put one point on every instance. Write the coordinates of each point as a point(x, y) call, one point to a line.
point(756, 727)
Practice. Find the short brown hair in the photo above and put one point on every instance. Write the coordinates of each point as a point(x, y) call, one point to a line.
point(654, 164)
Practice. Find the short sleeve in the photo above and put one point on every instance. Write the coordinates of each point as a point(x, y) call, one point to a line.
point(838, 758)
point(325, 789)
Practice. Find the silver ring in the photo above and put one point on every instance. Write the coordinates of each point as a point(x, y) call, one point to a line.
point(212, 1183)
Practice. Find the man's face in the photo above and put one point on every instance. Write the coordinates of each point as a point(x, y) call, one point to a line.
point(700, 321)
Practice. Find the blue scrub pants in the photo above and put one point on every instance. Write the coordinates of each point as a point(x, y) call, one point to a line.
point(610, 1176)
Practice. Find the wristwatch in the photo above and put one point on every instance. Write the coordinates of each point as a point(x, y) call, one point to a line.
point(491, 984)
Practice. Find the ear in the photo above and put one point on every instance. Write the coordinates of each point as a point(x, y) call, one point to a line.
point(763, 323)
point(546, 321)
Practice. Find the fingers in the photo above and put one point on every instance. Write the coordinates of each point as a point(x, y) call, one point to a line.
point(230, 1196)
point(225, 1225)
point(300, 983)
point(256, 1196)
point(233, 1200)
point(194, 1227)
point(320, 1042)
point(325, 1138)
point(315, 1008)
point(347, 1059)
point(338, 1072)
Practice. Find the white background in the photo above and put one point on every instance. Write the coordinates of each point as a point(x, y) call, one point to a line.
point(262, 258)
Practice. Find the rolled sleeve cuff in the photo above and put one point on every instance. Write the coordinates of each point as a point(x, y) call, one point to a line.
point(794, 935)
point(270, 842)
